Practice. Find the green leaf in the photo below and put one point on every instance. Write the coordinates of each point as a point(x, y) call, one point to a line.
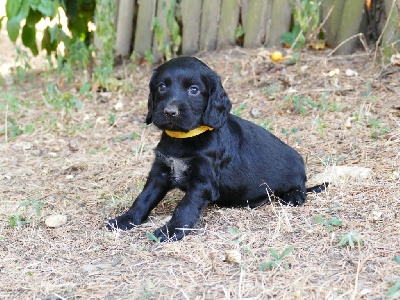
point(13, 28)
point(29, 38)
point(13, 7)
point(274, 253)
point(33, 17)
point(24, 203)
point(318, 219)
point(394, 291)
point(397, 259)
point(47, 7)
point(335, 222)
point(153, 237)
point(286, 252)
point(85, 88)
point(268, 265)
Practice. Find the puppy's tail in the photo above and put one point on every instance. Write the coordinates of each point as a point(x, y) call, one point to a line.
point(318, 188)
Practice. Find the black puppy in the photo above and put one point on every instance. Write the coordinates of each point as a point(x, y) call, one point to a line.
point(210, 154)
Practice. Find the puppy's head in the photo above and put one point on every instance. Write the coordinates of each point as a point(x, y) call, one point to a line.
point(184, 94)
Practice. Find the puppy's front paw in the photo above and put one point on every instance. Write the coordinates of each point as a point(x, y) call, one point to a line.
point(123, 222)
point(169, 232)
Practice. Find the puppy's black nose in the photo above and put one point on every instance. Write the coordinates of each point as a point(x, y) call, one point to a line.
point(171, 110)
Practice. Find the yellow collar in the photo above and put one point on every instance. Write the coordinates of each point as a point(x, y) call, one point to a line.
point(190, 133)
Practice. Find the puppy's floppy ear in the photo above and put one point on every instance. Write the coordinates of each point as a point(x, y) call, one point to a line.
point(218, 105)
point(150, 103)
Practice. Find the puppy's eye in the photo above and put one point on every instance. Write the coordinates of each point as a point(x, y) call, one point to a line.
point(162, 87)
point(194, 90)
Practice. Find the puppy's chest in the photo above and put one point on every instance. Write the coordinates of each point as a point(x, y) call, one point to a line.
point(178, 167)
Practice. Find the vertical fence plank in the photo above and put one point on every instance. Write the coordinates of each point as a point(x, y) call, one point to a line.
point(161, 15)
point(392, 32)
point(209, 25)
point(281, 14)
point(244, 7)
point(229, 20)
point(257, 19)
point(332, 11)
point(143, 33)
point(126, 11)
point(191, 15)
point(350, 25)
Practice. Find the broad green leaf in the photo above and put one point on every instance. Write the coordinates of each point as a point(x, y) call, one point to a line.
point(397, 259)
point(33, 17)
point(286, 252)
point(13, 7)
point(85, 88)
point(29, 38)
point(13, 28)
point(47, 7)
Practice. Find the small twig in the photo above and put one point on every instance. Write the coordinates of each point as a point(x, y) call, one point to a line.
point(5, 124)
point(359, 35)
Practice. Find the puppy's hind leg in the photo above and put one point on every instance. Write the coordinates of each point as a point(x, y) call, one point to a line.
point(293, 198)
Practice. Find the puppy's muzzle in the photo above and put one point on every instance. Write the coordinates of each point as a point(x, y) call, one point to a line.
point(171, 110)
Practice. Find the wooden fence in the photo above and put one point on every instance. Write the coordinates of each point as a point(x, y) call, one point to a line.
point(207, 25)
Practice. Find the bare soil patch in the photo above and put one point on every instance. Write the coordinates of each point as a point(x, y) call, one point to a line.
point(82, 165)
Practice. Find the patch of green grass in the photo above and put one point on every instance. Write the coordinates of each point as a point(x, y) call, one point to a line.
point(239, 240)
point(277, 262)
point(300, 103)
point(377, 128)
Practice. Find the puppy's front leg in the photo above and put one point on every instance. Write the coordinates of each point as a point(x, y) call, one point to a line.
point(156, 187)
point(201, 191)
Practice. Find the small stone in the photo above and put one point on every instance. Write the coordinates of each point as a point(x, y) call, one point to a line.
point(69, 177)
point(54, 221)
point(52, 154)
point(351, 73)
point(119, 106)
point(73, 146)
point(27, 146)
point(255, 113)
point(233, 257)
point(37, 152)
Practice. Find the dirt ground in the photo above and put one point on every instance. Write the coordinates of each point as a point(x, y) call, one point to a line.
point(90, 163)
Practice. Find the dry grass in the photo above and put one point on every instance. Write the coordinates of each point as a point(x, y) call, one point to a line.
point(99, 176)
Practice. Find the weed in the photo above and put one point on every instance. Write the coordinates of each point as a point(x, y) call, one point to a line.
point(153, 238)
point(148, 56)
point(288, 133)
point(172, 30)
point(299, 102)
point(237, 112)
point(239, 31)
point(111, 119)
point(239, 240)
point(265, 124)
point(18, 220)
point(277, 259)
point(376, 128)
point(131, 136)
point(33, 203)
point(350, 238)
point(52, 96)
point(330, 224)
point(304, 13)
point(394, 290)
point(104, 15)
point(325, 104)
point(321, 126)
point(22, 64)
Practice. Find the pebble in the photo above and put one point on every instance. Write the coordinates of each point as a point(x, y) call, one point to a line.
point(54, 221)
